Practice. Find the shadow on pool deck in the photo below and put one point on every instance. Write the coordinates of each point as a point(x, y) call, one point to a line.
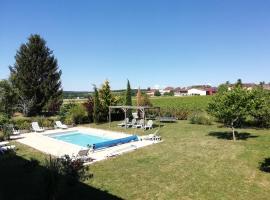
point(22, 180)
point(227, 135)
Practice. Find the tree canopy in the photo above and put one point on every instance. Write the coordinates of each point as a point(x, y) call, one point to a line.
point(230, 106)
point(36, 76)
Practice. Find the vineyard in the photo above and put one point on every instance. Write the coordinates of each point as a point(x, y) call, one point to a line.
point(193, 103)
point(180, 107)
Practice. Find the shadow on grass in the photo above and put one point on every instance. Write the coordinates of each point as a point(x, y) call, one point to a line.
point(265, 165)
point(25, 180)
point(227, 135)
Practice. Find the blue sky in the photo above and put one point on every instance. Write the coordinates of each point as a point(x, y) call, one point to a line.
point(176, 43)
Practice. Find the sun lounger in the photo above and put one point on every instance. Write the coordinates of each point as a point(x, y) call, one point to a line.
point(153, 136)
point(124, 123)
point(58, 124)
point(84, 156)
point(36, 127)
point(15, 132)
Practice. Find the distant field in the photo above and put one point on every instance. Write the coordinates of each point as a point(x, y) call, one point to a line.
point(188, 103)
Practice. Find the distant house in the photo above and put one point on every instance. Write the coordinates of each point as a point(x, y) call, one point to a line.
point(166, 90)
point(180, 92)
point(151, 92)
point(197, 92)
point(211, 91)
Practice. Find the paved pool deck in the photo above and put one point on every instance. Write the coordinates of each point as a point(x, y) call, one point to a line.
point(58, 148)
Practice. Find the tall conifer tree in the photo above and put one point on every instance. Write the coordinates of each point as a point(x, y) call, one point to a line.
point(128, 100)
point(36, 75)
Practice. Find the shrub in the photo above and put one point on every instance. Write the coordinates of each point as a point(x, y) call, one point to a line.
point(73, 169)
point(3, 119)
point(201, 118)
point(22, 123)
point(77, 114)
point(64, 110)
point(7, 131)
point(181, 114)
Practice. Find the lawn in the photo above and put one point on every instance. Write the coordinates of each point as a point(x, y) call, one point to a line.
point(193, 162)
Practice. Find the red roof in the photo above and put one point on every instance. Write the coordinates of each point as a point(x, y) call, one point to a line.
point(169, 88)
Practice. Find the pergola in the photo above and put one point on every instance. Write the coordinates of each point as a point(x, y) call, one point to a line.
point(140, 108)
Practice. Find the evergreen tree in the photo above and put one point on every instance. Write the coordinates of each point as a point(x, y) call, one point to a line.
point(36, 76)
point(139, 97)
point(239, 83)
point(8, 97)
point(128, 99)
point(96, 109)
point(105, 97)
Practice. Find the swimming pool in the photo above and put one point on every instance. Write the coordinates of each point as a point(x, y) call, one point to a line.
point(79, 138)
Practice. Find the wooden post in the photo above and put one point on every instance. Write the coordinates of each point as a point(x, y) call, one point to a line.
point(125, 110)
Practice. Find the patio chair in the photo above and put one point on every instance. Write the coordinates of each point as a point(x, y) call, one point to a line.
point(132, 124)
point(36, 127)
point(15, 131)
point(149, 125)
point(140, 124)
point(58, 124)
point(84, 155)
point(126, 121)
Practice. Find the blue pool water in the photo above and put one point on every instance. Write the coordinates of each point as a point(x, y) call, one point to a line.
point(79, 138)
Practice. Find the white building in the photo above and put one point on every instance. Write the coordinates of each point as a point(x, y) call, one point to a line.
point(194, 91)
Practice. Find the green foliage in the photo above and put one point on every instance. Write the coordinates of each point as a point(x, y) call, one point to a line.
point(22, 123)
point(89, 106)
point(142, 99)
point(171, 93)
point(260, 107)
point(231, 107)
point(97, 106)
point(180, 114)
point(8, 97)
point(3, 119)
point(77, 114)
point(105, 98)
point(7, 131)
point(190, 103)
point(200, 118)
point(128, 99)
point(73, 169)
point(157, 93)
point(64, 110)
point(36, 76)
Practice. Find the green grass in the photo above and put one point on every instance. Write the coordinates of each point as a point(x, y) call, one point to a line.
point(193, 162)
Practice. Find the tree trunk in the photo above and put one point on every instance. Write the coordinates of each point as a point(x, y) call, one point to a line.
point(232, 126)
point(234, 139)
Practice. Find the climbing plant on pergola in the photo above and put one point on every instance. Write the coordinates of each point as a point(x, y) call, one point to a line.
point(143, 109)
